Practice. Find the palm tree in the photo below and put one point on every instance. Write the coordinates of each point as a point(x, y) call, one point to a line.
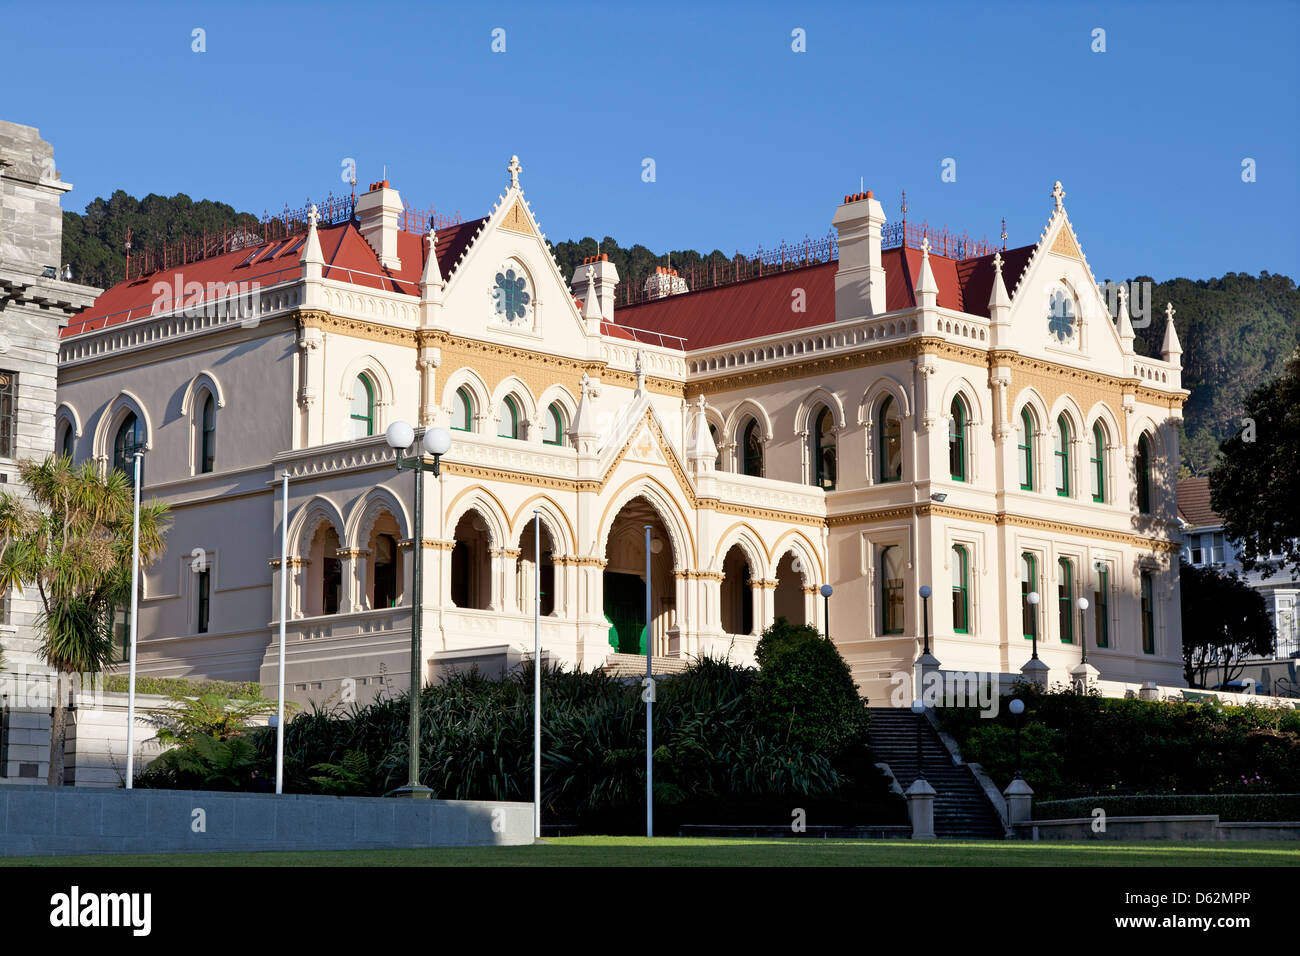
point(72, 541)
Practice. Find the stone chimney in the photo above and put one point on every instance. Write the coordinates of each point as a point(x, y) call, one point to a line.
point(664, 282)
point(606, 281)
point(379, 211)
point(860, 278)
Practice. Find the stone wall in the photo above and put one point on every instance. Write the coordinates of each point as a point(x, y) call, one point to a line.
point(42, 821)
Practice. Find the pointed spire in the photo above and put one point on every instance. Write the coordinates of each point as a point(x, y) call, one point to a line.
point(927, 290)
point(590, 307)
point(701, 448)
point(432, 276)
point(312, 259)
point(1171, 350)
point(999, 301)
point(1125, 321)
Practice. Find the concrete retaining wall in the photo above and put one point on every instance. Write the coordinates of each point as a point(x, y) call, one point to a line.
point(1188, 827)
point(42, 821)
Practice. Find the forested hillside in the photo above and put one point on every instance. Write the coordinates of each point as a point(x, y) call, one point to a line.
point(1236, 331)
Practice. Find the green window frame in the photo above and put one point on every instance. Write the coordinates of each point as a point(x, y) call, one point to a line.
point(1062, 457)
point(960, 591)
point(1142, 468)
point(957, 428)
point(891, 441)
point(823, 450)
point(204, 592)
point(891, 591)
point(1028, 579)
point(752, 450)
point(509, 415)
point(557, 426)
point(1026, 449)
point(1148, 616)
point(1098, 463)
point(1101, 607)
point(208, 435)
point(363, 408)
point(462, 407)
point(1065, 599)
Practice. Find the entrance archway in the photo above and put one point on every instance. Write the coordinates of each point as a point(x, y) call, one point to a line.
point(788, 599)
point(624, 580)
point(471, 563)
point(524, 575)
point(737, 595)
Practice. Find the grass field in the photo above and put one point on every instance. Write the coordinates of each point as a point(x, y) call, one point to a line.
point(675, 851)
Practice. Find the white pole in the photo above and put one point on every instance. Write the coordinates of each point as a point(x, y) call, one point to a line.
point(135, 592)
point(284, 613)
point(537, 675)
point(649, 701)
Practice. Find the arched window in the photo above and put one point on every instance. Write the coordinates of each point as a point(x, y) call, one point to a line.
point(1097, 463)
point(823, 450)
point(1142, 466)
point(753, 449)
point(385, 594)
point(717, 462)
point(960, 591)
point(1062, 457)
point(130, 438)
point(207, 435)
point(462, 408)
point(1101, 607)
point(1148, 615)
point(363, 408)
point(1026, 449)
point(957, 428)
point(1065, 599)
point(891, 589)
point(891, 441)
point(552, 426)
point(1028, 584)
point(508, 412)
point(331, 574)
point(66, 440)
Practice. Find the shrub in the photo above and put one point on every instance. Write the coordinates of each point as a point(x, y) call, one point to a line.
point(804, 693)
point(1231, 807)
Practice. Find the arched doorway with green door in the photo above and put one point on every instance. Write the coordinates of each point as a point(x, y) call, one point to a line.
point(624, 580)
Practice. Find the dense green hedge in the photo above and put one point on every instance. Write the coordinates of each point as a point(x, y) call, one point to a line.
point(1231, 807)
point(715, 761)
point(1078, 745)
point(181, 686)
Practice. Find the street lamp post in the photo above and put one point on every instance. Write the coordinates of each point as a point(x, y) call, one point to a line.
point(135, 611)
point(826, 592)
point(918, 708)
point(1083, 634)
point(1017, 707)
point(436, 442)
point(1032, 598)
point(925, 614)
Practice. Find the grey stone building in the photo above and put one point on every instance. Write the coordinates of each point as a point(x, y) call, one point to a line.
point(37, 297)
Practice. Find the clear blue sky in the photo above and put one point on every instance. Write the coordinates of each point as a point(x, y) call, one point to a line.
point(753, 143)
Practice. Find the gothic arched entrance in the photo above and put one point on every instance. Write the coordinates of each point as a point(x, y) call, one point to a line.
point(624, 580)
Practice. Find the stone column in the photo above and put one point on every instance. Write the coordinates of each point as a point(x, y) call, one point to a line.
point(1020, 802)
point(920, 808)
point(348, 587)
point(429, 360)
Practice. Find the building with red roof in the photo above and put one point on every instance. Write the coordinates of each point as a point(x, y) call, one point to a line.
point(889, 408)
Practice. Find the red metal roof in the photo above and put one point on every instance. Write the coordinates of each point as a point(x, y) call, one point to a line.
point(763, 306)
point(348, 258)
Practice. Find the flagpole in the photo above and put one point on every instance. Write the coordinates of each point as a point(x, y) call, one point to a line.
point(649, 701)
point(284, 613)
point(537, 675)
point(135, 609)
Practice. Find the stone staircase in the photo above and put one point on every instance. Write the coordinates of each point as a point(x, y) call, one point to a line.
point(633, 665)
point(961, 807)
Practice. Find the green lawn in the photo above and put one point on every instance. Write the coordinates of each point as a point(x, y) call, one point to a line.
point(675, 851)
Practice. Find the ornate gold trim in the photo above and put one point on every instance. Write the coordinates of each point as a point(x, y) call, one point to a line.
point(516, 220)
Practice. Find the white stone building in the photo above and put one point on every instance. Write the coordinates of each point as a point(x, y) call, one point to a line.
point(36, 300)
point(876, 420)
